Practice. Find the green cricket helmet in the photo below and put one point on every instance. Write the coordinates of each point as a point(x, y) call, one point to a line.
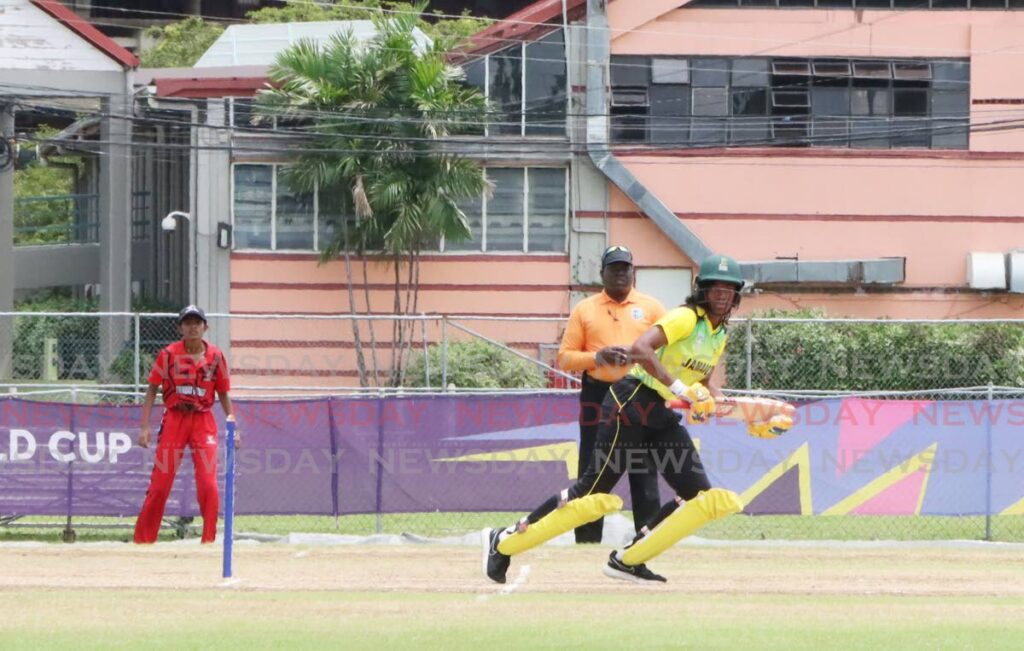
point(720, 268)
point(717, 268)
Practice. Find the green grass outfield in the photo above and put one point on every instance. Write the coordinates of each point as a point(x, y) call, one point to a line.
point(326, 620)
point(1007, 528)
point(745, 596)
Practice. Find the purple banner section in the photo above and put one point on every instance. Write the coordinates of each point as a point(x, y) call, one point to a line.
point(484, 453)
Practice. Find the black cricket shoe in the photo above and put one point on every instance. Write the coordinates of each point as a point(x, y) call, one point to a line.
point(616, 569)
point(495, 563)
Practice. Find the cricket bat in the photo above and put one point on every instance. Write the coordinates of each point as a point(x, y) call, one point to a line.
point(750, 410)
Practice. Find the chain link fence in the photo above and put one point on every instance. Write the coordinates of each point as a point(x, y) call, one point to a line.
point(316, 354)
point(104, 359)
point(887, 358)
point(108, 356)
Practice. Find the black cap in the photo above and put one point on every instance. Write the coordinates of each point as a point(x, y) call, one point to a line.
point(616, 254)
point(191, 310)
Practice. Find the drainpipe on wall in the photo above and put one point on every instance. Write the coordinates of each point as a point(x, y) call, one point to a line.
point(846, 272)
point(6, 247)
point(598, 58)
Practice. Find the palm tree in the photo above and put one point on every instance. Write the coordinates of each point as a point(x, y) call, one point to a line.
point(374, 115)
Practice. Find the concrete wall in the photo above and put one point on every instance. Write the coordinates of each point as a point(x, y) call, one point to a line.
point(931, 207)
point(321, 353)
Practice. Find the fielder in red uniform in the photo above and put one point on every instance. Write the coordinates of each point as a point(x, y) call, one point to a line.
point(188, 372)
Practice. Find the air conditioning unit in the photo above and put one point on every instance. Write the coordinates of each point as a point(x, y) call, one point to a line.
point(1015, 271)
point(986, 270)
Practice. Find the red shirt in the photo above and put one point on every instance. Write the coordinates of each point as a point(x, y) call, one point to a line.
point(183, 381)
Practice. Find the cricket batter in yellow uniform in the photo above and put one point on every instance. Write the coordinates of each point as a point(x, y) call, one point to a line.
point(675, 359)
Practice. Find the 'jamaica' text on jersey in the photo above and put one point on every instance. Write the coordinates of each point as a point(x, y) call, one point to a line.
point(692, 351)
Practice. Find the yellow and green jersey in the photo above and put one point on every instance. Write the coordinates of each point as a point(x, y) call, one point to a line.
point(692, 350)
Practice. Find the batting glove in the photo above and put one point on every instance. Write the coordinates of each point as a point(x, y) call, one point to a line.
point(702, 405)
point(774, 428)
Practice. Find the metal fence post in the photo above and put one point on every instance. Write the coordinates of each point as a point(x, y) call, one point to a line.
point(68, 535)
point(750, 353)
point(379, 525)
point(988, 452)
point(444, 354)
point(426, 351)
point(135, 365)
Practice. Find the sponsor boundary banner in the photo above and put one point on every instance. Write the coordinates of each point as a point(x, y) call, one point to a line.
point(449, 453)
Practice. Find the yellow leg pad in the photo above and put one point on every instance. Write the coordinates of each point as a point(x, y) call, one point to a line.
point(565, 518)
point(707, 506)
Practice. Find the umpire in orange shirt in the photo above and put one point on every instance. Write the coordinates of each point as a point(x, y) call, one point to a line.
point(601, 329)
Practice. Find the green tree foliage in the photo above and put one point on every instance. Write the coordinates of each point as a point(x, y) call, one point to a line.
point(76, 337)
point(180, 44)
point(45, 213)
point(300, 11)
point(457, 29)
point(376, 113)
point(475, 365)
point(874, 356)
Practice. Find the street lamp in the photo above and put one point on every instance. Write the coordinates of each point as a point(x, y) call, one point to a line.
point(169, 223)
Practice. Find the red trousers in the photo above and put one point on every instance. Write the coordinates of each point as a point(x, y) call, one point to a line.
point(197, 430)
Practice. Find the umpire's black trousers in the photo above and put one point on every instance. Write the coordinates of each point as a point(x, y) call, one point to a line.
point(643, 478)
point(635, 424)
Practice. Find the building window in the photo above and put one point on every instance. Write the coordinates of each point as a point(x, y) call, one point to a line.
point(525, 86)
point(527, 212)
point(253, 206)
point(142, 219)
point(861, 103)
point(915, 5)
point(268, 215)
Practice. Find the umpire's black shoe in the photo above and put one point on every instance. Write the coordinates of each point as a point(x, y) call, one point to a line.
point(495, 563)
point(616, 569)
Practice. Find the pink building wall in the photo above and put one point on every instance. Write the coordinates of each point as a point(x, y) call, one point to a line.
point(932, 207)
point(321, 353)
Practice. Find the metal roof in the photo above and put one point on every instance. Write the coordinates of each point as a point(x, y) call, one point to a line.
point(83, 28)
point(250, 45)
